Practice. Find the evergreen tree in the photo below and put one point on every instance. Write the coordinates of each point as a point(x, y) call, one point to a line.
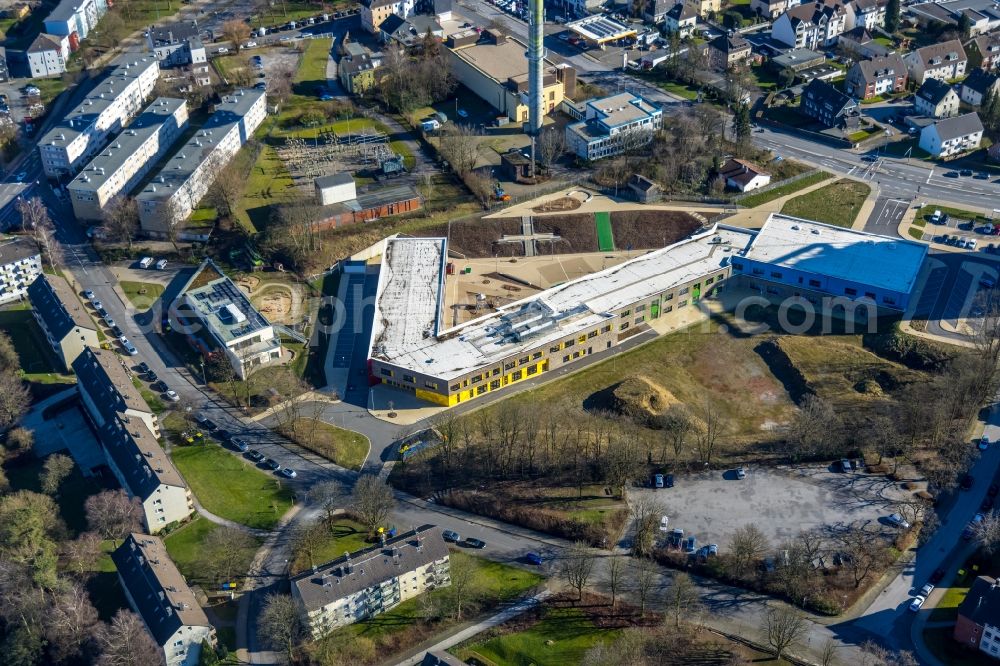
point(741, 123)
point(892, 16)
point(989, 112)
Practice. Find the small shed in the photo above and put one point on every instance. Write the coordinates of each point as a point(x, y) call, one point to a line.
point(643, 189)
point(335, 188)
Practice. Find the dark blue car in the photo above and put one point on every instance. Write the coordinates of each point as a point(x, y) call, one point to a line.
point(533, 558)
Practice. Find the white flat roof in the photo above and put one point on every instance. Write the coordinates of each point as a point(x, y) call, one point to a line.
point(546, 317)
point(408, 300)
point(822, 249)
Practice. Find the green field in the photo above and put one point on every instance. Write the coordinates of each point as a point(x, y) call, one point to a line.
point(184, 546)
point(342, 447)
point(837, 203)
point(232, 487)
point(760, 198)
point(605, 237)
point(312, 67)
point(141, 294)
point(562, 636)
point(947, 608)
point(346, 536)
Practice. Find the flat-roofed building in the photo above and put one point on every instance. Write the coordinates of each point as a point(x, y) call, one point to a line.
point(20, 264)
point(84, 131)
point(158, 592)
point(67, 327)
point(372, 581)
point(119, 168)
point(795, 257)
point(613, 125)
point(601, 29)
point(496, 70)
point(170, 196)
point(218, 317)
point(411, 350)
point(177, 44)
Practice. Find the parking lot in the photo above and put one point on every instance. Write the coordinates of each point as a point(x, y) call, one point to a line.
point(780, 501)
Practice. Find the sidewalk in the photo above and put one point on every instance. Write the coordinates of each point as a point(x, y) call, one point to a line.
point(754, 218)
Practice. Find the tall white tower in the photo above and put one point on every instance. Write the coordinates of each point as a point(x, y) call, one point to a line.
point(536, 74)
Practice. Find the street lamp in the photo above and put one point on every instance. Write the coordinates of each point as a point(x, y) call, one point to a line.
point(204, 376)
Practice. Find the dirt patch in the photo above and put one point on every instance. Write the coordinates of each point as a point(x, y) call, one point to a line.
point(558, 205)
point(577, 233)
point(643, 398)
point(276, 304)
point(647, 229)
point(478, 238)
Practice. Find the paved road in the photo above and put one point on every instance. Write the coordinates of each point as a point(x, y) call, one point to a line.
point(886, 215)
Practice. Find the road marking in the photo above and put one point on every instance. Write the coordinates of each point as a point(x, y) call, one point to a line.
point(929, 174)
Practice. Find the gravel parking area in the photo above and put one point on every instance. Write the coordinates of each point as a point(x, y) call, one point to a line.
point(780, 501)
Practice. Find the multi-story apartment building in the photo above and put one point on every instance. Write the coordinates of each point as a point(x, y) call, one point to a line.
point(936, 99)
point(951, 136)
point(157, 591)
point(869, 14)
point(84, 131)
point(987, 50)
point(75, 19)
point(659, 291)
point(978, 622)
point(877, 76)
point(824, 103)
point(127, 430)
point(728, 51)
point(811, 26)
point(613, 125)
point(66, 325)
point(979, 85)
point(20, 264)
point(47, 55)
point(944, 61)
point(218, 317)
point(770, 9)
point(119, 168)
point(177, 44)
point(183, 180)
point(373, 12)
point(368, 582)
point(706, 7)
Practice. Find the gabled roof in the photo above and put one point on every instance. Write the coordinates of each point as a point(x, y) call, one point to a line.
point(640, 182)
point(980, 81)
point(156, 588)
point(882, 67)
point(730, 43)
point(982, 604)
point(58, 306)
point(987, 44)
point(392, 23)
point(173, 33)
point(44, 43)
point(741, 171)
point(858, 34)
point(101, 374)
point(934, 91)
point(682, 11)
point(139, 457)
point(865, 6)
point(938, 54)
point(822, 93)
point(815, 12)
point(959, 126)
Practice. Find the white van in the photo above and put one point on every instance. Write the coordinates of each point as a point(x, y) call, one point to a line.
point(145, 262)
point(161, 264)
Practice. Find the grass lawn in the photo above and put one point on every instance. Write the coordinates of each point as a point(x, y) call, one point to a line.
point(562, 636)
point(184, 546)
point(50, 88)
point(342, 447)
point(232, 487)
point(152, 399)
point(954, 213)
point(142, 294)
point(918, 234)
point(346, 536)
point(754, 200)
point(680, 89)
point(376, 639)
point(947, 608)
point(278, 13)
point(837, 203)
point(269, 184)
point(312, 66)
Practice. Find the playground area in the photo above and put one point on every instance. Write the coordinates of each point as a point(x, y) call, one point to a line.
point(280, 301)
point(480, 286)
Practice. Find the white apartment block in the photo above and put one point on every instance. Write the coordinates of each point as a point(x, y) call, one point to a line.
point(119, 168)
point(951, 136)
point(612, 125)
point(67, 327)
point(372, 581)
point(158, 592)
point(75, 19)
point(944, 61)
point(128, 430)
point(374, 12)
point(47, 56)
point(810, 26)
point(219, 316)
point(20, 264)
point(185, 178)
point(84, 131)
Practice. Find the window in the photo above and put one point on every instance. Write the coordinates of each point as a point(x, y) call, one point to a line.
point(536, 355)
point(668, 308)
point(889, 299)
point(814, 283)
point(409, 378)
point(532, 369)
point(683, 291)
point(480, 390)
point(758, 271)
point(605, 329)
point(582, 339)
point(850, 291)
point(592, 334)
point(455, 387)
point(517, 374)
point(385, 372)
point(569, 343)
point(709, 281)
point(668, 297)
point(495, 384)
point(433, 385)
point(523, 360)
point(640, 308)
point(776, 275)
point(496, 371)
point(554, 349)
point(623, 326)
point(566, 359)
point(640, 319)
point(508, 366)
point(477, 379)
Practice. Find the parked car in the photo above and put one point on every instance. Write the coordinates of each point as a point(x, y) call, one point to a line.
point(151, 376)
point(741, 473)
point(984, 443)
point(713, 549)
point(845, 465)
point(289, 473)
point(533, 558)
point(451, 535)
point(129, 347)
point(917, 602)
point(926, 590)
point(223, 435)
point(897, 520)
point(222, 50)
point(936, 217)
point(475, 543)
point(250, 45)
point(89, 295)
point(658, 481)
point(272, 464)
point(171, 395)
point(240, 444)
point(664, 521)
point(669, 481)
point(143, 368)
point(690, 544)
point(161, 264)
point(982, 175)
point(255, 455)
point(462, 113)
point(676, 537)
point(96, 304)
point(985, 283)
point(966, 172)
point(117, 331)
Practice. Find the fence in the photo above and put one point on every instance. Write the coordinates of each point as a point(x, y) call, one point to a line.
point(772, 186)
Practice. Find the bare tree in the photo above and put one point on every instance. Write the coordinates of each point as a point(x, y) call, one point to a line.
point(784, 627)
point(372, 500)
point(280, 625)
point(865, 551)
point(461, 588)
point(814, 430)
point(125, 642)
point(113, 514)
point(707, 436)
point(14, 397)
point(828, 655)
point(82, 552)
point(226, 190)
point(749, 544)
point(480, 185)
point(873, 654)
point(223, 556)
point(551, 145)
point(35, 218)
point(577, 567)
point(308, 540)
point(459, 145)
point(55, 470)
point(615, 576)
point(987, 532)
point(646, 513)
point(645, 580)
point(677, 424)
point(71, 622)
point(236, 31)
point(327, 495)
point(120, 219)
point(279, 86)
point(682, 598)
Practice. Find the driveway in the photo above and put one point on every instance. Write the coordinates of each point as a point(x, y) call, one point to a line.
point(780, 501)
